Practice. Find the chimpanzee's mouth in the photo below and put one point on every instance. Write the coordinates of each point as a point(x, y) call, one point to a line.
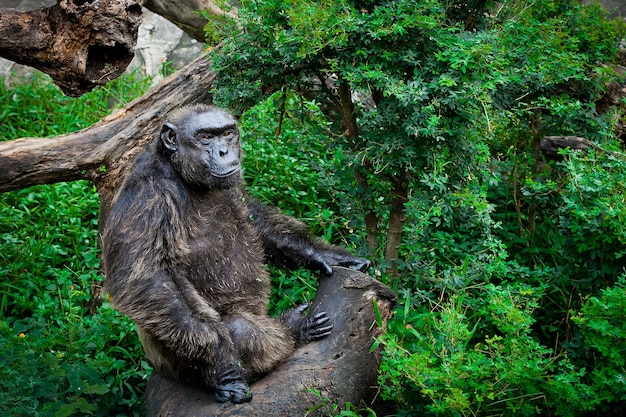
point(225, 173)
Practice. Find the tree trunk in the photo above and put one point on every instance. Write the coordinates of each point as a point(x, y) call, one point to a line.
point(371, 219)
point(397, 217)
point(334, 370)
point(103, 152)
point(352, 133)
point(80, 44)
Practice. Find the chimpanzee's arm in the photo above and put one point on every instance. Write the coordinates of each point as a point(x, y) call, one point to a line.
point(287, 242)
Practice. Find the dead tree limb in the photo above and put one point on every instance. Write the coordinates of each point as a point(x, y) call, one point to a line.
point(551, 146)
point(102, 152)
point(80, 44)
point(334, 370)
point(184, 13)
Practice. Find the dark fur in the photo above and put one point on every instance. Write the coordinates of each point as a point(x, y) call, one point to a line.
point(184, 258)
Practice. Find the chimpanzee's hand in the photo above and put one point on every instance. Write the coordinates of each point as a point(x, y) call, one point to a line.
point(358, 264)
point(307, 328)
point(232, 387)
point(323, 261)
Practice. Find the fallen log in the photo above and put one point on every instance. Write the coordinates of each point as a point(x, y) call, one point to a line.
point(336, 370)
point(80, 44)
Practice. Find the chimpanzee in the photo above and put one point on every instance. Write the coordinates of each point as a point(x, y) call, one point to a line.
point(184, 249)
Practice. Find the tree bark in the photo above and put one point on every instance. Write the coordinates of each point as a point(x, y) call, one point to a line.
point(551, 145)
point(335, 370)
point(80, 44)
point(352, 133)
point(397, 217)
point(184, 13)
point(103, 152)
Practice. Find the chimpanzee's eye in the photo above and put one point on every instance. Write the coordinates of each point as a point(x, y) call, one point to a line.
point(206, 137)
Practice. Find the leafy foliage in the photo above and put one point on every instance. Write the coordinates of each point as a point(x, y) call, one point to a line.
point(510, 269)
point(509, 266)
point(37, 108)
point(56, 359)
point(285, 164)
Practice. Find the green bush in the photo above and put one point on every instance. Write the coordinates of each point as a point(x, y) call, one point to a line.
point(57, 359)
point(499, 319)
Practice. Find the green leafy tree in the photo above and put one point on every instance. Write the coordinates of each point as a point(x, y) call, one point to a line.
point(508, 268)
point(390, 108)
point(404, 81)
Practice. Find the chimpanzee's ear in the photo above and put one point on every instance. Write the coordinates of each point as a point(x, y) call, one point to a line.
point(169, 136)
